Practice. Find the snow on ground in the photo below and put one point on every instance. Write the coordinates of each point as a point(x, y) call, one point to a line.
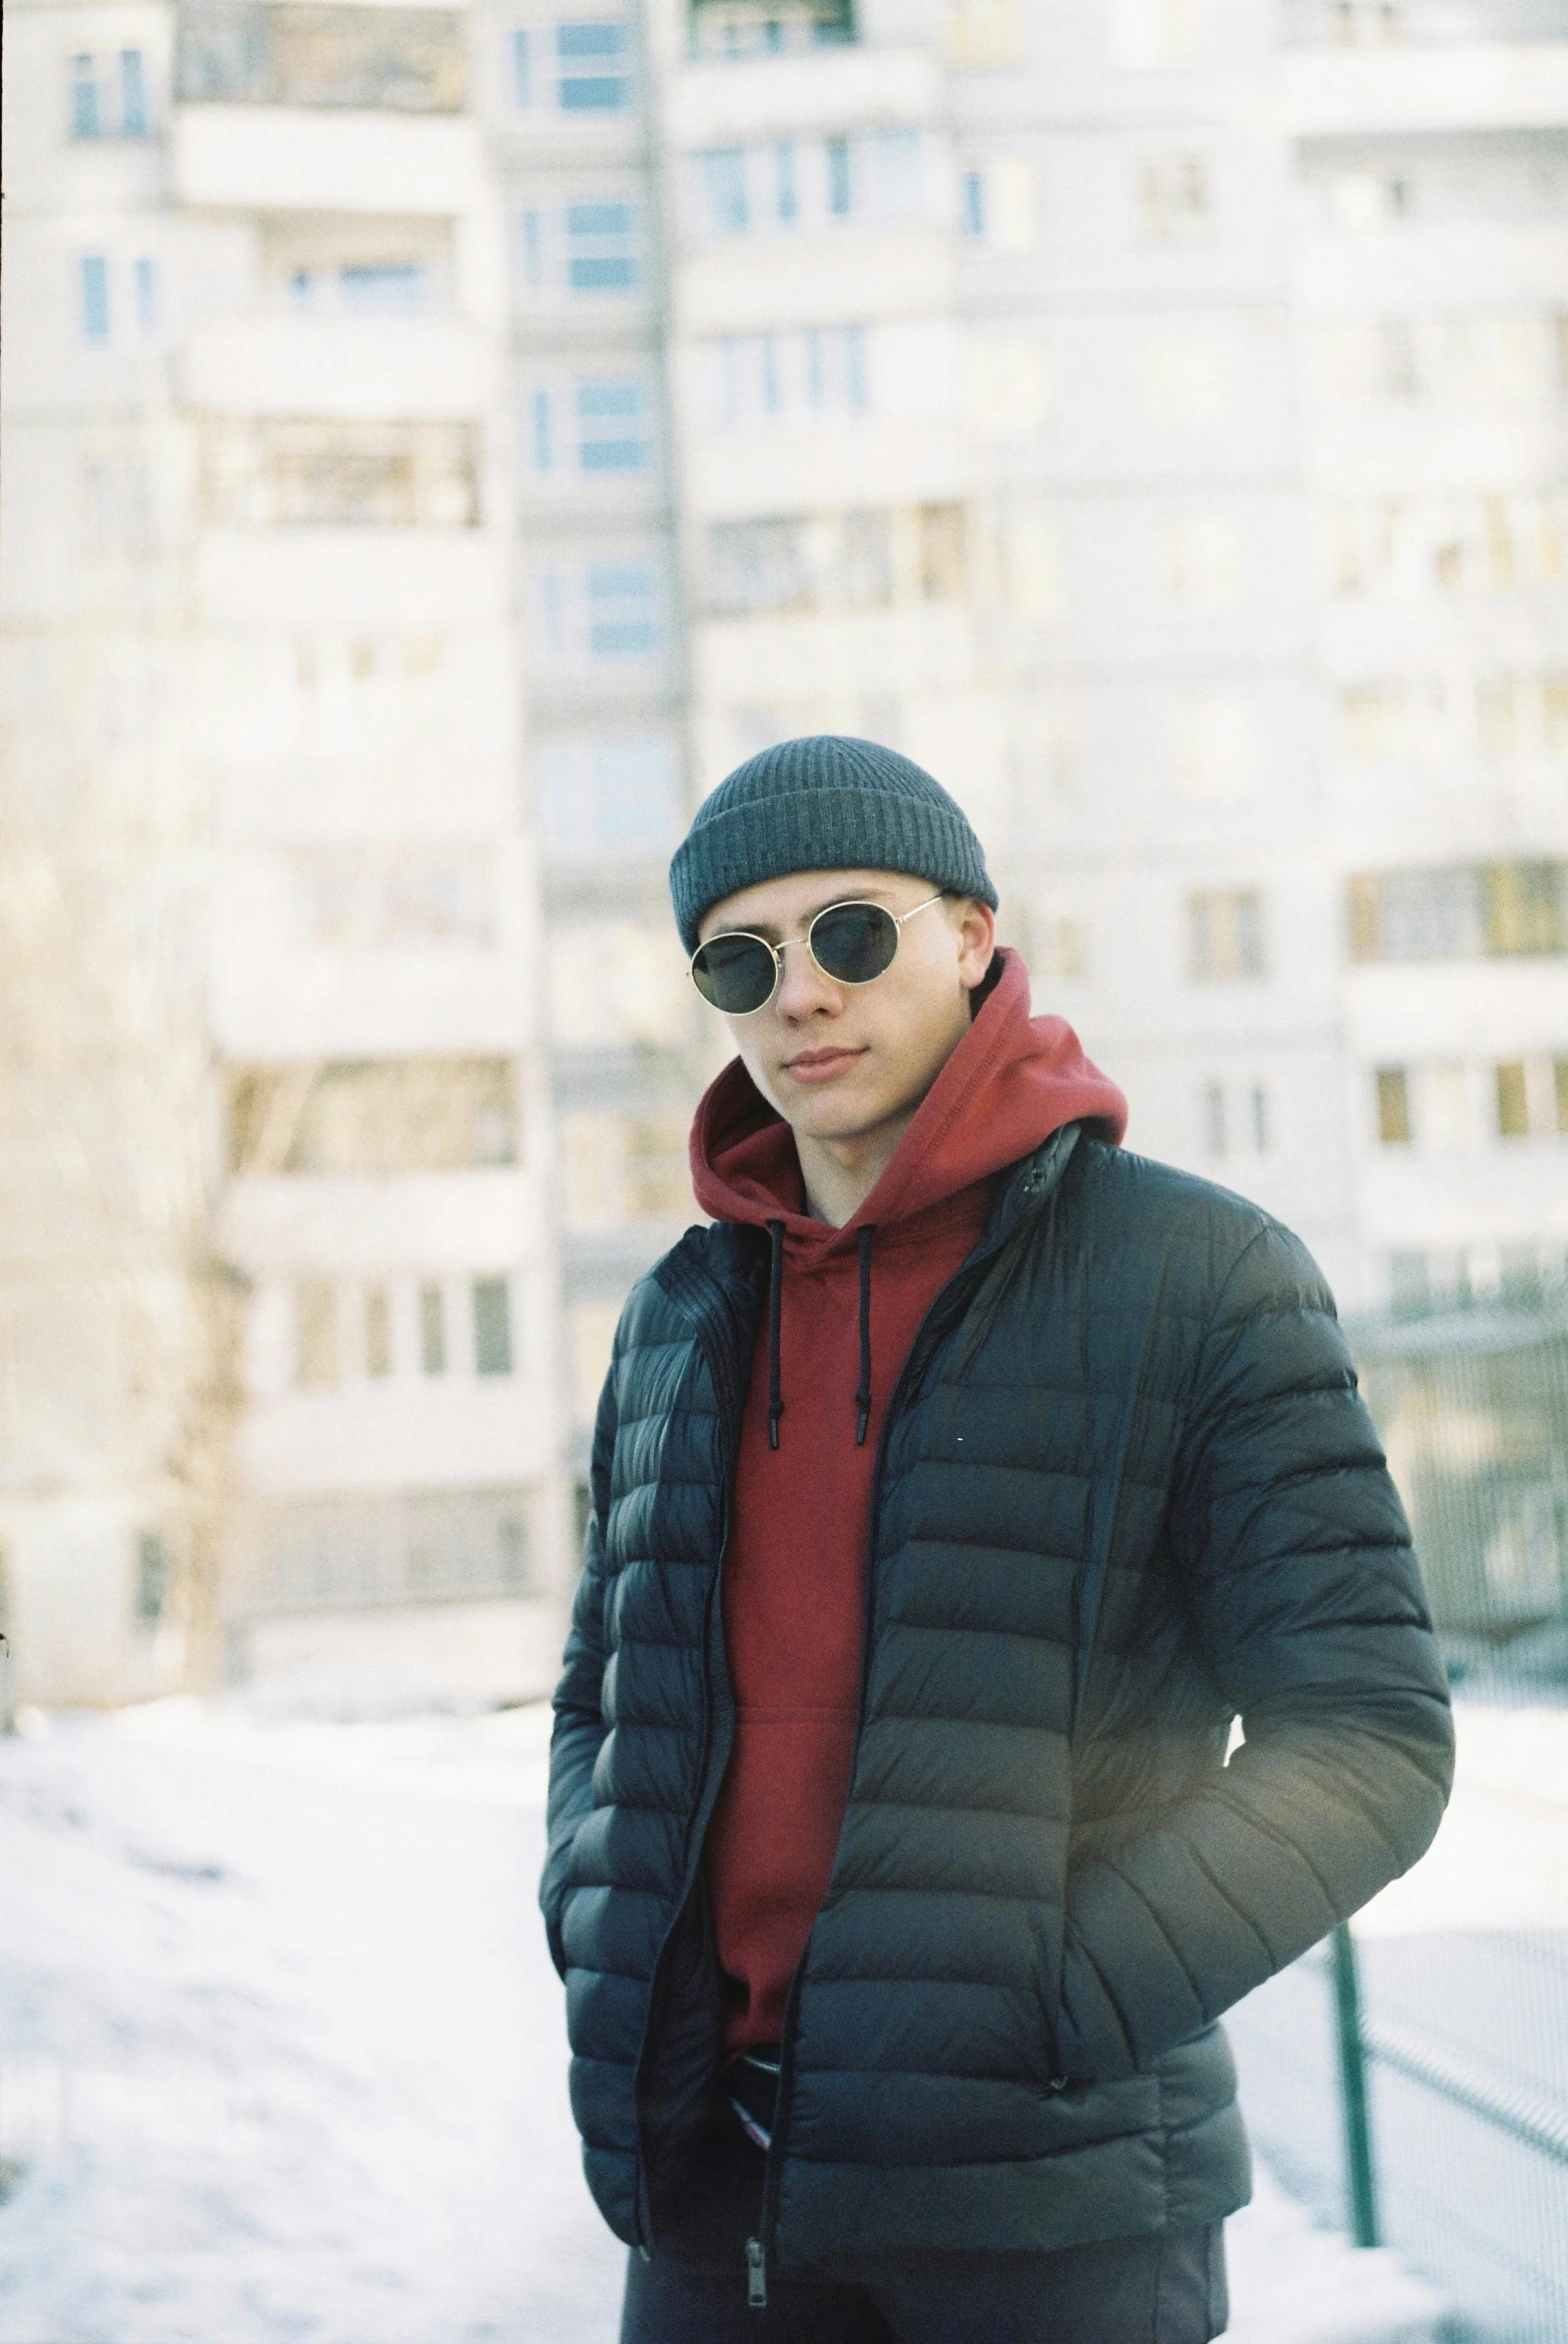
point(282, 2057)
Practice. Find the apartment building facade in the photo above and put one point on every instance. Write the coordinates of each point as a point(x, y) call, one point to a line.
point(1149, 417)
point(314, 295)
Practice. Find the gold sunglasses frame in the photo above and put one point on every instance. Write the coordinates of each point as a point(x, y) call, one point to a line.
point(847, 903)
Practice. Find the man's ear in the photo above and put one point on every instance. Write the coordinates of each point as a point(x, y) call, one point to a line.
point(976, 927)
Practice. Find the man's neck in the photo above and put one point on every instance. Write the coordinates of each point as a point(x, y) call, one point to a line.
point(839, 1175)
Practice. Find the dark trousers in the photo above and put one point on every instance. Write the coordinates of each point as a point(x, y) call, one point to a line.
point(1169, 2290)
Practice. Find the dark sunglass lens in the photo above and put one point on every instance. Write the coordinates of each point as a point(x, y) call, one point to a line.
point(854, 942)
point(734, 973)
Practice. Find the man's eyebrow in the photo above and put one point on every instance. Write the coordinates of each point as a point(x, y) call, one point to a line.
point(858, 895)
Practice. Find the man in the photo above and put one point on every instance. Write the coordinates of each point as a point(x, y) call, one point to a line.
point(953, 1493)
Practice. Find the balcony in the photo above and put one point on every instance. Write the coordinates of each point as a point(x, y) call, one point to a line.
point(1352, 91)
point(419, 368)
point(262, 157)
point(717, 101)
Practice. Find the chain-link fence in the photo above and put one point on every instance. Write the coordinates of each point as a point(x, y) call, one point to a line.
point(1410, 2081)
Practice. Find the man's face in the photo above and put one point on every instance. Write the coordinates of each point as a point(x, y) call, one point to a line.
point(839, 1061)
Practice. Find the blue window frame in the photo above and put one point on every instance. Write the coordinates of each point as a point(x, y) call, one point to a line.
point(974, 202)
point(95, 296)
point(382, 286)
point(622, 609)
point(521, 68)
point(840, 188)
point(602, 247)
point(588, 55)
point(144, 287)
point(786, 194)
point(542, 423)
point(86, 121)
point(612, 429)
point(134, 122)
point(724, 189)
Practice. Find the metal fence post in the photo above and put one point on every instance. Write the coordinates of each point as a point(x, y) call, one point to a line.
point(1360, 2182)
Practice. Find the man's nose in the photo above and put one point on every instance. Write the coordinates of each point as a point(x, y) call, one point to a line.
point(802, 987)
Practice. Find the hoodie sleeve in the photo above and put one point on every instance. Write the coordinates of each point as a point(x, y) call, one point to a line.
point(579, 1720)
point(1311, 1618)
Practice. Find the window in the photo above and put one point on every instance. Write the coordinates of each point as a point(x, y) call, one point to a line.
point(622, 623)
point(1010, 385)
point(597, 426)
point(838, 562)
point(282, 474)
point(1000, 204)
point(1236, 1118)
point(108, 96)
point(432, 1330)
point(95, 296)
point(380, 1116)
point(119, 299)
point(1490, 910)
point(154, 1572)
point(363, 1551)
point(491, 1326)
point(1560, 1092)
point(789, 380)
point(305, 52)
point(1513, 1104)
point(594, 247)
point(362, 288)
point(786, 190)
point(1175, 199)
point(841, 191)
point(603, 253)
point(610, 797)
point(1202, 561)
point(624, 1169)
point(724, 188)
point(1224, 935)
point(1394, 1106)
point(590, 60)
point(378, 1331)
point(606, 612)
point(316, 1330)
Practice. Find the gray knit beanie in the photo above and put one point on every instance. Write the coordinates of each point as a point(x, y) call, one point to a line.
point(825, 803)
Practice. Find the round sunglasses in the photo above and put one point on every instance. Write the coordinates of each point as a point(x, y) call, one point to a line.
point(851, 942)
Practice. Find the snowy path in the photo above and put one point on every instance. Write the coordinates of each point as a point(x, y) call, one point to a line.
point(282, 2053)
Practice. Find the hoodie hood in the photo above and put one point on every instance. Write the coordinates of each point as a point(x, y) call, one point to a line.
point(1012, 1081)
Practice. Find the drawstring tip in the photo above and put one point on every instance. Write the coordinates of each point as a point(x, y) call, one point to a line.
point(774, 1413)
point(860, 1429)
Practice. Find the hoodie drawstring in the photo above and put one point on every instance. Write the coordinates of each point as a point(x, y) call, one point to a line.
point(862, 1392)
point(775, 1312)
point(775, 1317)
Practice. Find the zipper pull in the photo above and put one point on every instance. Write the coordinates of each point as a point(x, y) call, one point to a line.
point(756, 2276)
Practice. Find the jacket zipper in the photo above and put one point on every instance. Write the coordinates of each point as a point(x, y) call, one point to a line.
point(707, 1798)
point(759, 2248)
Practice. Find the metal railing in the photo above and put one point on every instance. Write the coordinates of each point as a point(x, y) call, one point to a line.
point(1409, 2080)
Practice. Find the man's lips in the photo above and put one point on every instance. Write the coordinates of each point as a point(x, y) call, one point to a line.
point(819, 1066)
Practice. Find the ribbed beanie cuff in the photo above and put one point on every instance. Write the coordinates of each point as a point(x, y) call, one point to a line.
point(824, 803)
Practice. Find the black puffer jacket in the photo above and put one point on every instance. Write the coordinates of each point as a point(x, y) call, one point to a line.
point(1126, 1492)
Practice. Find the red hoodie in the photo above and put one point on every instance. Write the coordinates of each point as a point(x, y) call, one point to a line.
point(794, 1572)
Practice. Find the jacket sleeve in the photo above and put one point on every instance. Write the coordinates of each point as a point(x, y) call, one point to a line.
point(579, 1718)
point(1311, 1619)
